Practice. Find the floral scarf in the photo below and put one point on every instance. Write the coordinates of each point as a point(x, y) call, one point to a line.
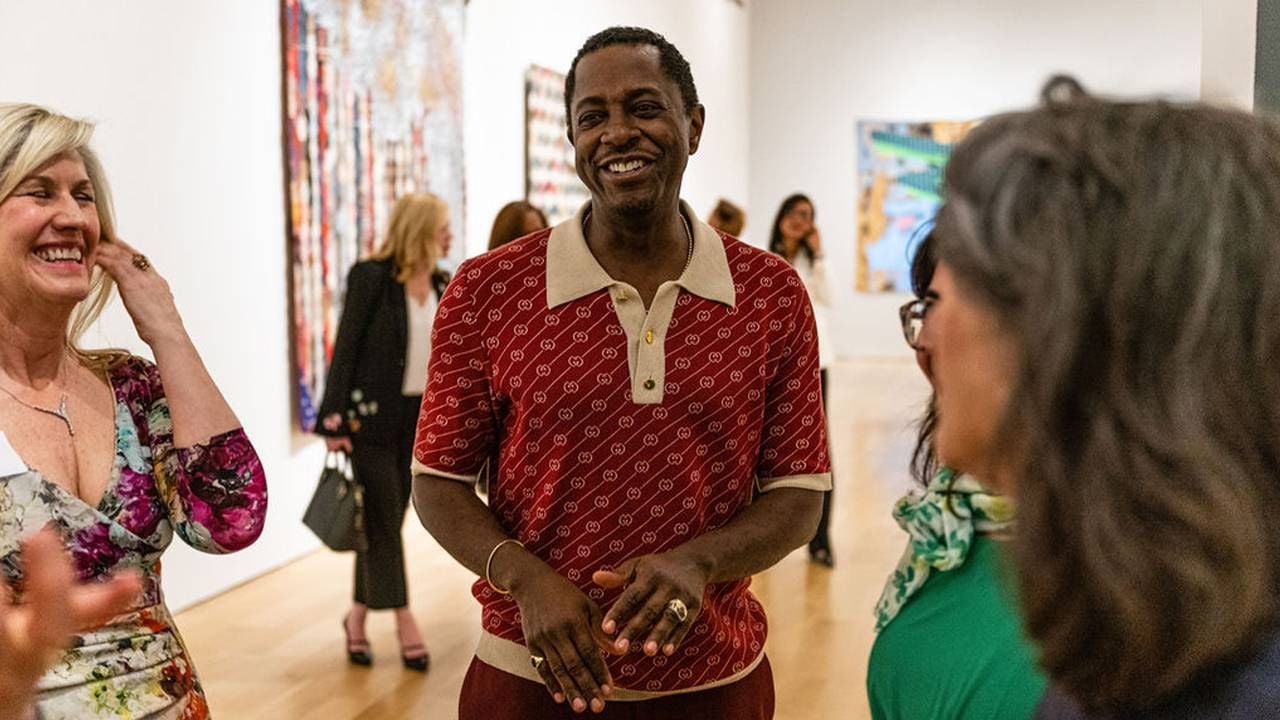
point(941, 523)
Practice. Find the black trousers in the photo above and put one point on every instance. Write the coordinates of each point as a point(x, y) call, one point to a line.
point(384, 471)
point(822, 536)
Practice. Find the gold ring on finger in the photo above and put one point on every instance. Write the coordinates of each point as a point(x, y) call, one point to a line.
point(677, 610)
point(141, 262)
point(537, 661)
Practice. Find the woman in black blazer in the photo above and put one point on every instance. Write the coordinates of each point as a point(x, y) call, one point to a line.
point(371, 400)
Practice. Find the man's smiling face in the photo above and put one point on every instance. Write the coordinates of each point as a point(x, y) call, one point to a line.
point(631, 134)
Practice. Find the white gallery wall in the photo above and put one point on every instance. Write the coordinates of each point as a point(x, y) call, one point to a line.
point(1227, 51)
point(818, 66)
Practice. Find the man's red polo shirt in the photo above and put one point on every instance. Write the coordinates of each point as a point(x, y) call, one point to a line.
point(616, 432)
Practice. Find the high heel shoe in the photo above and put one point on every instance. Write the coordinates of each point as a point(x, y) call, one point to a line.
point(357, 651)
point(417, 662)
point(821, 555)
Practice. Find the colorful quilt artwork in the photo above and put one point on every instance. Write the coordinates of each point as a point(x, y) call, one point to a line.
point(372, 110)
point(551, 180)
point(899, 191)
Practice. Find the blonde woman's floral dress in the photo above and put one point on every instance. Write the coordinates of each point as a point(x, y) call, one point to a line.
point(214, 496)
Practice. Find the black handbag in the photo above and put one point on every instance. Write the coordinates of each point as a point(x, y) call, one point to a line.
point(336, 512)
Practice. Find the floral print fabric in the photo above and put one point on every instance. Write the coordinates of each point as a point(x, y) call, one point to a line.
point(214, 496)
point(941, 522)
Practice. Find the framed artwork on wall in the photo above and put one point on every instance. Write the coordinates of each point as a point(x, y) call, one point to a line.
point(551, 181)
point(372, 110)
point(900, 167)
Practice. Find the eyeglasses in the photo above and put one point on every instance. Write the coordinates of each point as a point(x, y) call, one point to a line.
point(912, 316)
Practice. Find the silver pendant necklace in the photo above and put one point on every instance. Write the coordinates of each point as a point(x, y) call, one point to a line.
point(60, 412)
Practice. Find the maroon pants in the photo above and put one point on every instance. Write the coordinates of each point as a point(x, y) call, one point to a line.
point(491, 694)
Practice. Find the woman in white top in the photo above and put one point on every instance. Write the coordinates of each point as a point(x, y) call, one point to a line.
point(797, 240)
point(370, 409)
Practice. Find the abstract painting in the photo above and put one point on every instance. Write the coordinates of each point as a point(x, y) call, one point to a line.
point(551, 180)
point(372, 110)
point(899, 191)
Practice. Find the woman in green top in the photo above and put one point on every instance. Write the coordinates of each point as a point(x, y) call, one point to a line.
point(950, 642)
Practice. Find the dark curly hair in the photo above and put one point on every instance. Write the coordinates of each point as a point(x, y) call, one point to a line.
point(673, 64)
point(1129, 250)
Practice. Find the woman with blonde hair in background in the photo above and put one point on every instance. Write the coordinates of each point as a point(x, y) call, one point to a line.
point(115, 453)
point(370, 408)
point(515, 220)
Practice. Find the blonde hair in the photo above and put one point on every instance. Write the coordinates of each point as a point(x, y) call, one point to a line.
point(411, 234)
point(30, 137)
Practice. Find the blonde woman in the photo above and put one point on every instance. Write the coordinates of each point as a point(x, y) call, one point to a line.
point(371, 400)
point(114, 452)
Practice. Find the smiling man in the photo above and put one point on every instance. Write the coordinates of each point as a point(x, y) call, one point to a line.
point(645, 391)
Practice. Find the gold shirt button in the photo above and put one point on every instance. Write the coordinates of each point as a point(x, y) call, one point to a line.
point(648, 336)
point(650, 384)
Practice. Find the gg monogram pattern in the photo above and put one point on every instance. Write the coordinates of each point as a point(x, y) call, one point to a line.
point(586, 476)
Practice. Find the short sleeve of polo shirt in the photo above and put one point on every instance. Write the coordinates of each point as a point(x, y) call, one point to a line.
point(793, 451)
point(455, 433)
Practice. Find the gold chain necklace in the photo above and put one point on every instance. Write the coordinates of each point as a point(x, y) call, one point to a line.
point(688, 233)
point(61, 411)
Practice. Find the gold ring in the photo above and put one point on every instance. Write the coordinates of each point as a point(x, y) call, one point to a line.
point(537, 661)
point(141, 262)
point(677, 610)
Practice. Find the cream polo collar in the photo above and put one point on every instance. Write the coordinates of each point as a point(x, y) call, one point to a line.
point(573, 272)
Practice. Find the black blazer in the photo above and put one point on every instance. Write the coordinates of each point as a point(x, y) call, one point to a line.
point(366, 374)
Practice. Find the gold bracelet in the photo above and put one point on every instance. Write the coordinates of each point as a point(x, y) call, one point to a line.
point(488, 566)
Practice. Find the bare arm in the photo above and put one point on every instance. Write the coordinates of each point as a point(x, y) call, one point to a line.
point(560, 623)
point(198, 409)
point(464, 527)
point(196, 404)
point(767, 531)
point(761, 535)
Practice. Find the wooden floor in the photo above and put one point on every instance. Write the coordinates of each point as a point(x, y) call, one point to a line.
point(272, 648)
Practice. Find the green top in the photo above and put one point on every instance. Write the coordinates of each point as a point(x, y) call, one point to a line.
point(956, 650)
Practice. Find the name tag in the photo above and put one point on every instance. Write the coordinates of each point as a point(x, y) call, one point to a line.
point(10, 463)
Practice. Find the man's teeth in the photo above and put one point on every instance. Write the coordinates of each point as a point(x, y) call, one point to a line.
point(57, 254)
point(622, 167)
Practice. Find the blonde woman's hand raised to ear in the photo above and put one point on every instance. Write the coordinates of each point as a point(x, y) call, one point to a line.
point(196, 404)
point(145, 292)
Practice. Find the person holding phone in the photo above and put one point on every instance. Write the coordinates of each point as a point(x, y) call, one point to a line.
point(796, 238)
